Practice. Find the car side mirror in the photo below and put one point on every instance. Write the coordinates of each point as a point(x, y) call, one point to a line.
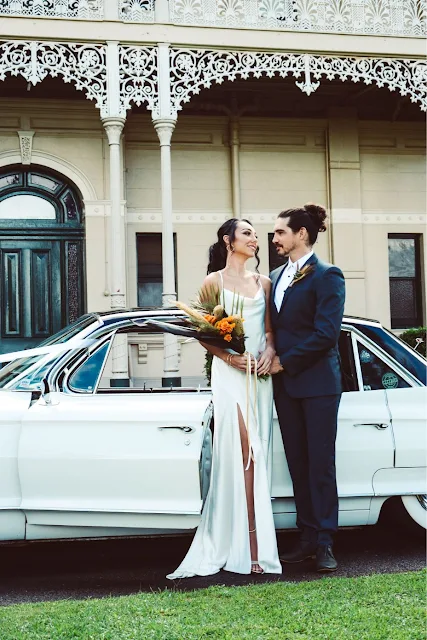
point(48, 397)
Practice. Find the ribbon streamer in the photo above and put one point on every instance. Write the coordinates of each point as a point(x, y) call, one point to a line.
point(248, 401)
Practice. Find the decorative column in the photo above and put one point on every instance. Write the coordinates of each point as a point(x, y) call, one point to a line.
point(164, 123)
point(235, 166)
point(346, 205)
point(113, 125)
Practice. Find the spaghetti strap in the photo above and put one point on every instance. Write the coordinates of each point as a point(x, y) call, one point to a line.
point(221, 279)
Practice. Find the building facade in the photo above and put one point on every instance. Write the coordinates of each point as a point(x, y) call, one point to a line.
point(131, 129)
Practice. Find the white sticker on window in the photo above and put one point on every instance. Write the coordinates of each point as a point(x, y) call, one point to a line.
point(390, 380)
point(365, 356)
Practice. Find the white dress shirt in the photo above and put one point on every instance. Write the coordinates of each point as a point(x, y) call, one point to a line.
point(287, 276)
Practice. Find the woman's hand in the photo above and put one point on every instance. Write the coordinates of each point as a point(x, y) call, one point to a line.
point(265, 360)
point(239, 362)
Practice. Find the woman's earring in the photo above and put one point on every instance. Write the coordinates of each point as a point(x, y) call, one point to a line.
point(231, 248)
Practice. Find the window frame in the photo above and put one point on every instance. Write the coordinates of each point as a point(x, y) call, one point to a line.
point(416, 237)
point(379, 353)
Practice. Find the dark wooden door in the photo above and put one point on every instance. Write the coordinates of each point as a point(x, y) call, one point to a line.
point(41, 256)
point(30, 292)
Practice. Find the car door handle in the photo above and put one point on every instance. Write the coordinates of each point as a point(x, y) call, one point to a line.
point(377, 425)
point(184, 428)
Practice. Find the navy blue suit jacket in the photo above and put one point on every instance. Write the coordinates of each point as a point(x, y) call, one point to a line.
point(307, 329)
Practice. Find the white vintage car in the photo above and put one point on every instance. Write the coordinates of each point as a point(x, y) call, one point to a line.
point(83, 457)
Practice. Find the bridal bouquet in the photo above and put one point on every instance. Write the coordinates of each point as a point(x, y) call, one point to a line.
point(212, 322)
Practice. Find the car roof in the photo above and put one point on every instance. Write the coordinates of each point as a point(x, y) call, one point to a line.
point(135, 311)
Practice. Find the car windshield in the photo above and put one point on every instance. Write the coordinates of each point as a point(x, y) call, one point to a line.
point(71, 330)
point(398, 350)
point(26, 374)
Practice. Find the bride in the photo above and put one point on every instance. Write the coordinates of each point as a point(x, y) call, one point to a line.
point(236, 531)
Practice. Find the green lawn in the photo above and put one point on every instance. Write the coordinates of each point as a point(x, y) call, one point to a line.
point(376, 607)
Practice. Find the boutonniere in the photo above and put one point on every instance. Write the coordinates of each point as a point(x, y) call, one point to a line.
point(301, 273)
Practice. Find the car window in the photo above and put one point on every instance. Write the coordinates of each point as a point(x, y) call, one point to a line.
point(376, 374)
point(85, 378)
point(391, 344)
point(136, 358)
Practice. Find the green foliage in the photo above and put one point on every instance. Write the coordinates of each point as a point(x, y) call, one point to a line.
point(377, 607)
point(410, 337)
point(208, 367)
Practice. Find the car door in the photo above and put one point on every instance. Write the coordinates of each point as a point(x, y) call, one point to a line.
point(364, 438)
point(102, 457)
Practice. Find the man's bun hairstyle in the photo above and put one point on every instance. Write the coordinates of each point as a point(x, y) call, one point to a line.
point(311, 216)
point(318, 215)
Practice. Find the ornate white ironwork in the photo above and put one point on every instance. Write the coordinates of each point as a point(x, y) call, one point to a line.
point(193, 70)
point(82, 64)
point(364, 17)
point(26, 145)
point(83, 9)
point(136, 10)
point(138, 77)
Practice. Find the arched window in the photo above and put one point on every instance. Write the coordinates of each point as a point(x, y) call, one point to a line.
point(33, 195)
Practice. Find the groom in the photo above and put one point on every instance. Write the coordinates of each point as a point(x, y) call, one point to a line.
point(307, 308)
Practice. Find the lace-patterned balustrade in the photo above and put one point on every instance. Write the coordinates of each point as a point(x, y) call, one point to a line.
point(136, 10)
point(361, 17)
point(80, 9)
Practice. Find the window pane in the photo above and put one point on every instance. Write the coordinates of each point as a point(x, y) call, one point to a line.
point(86, 376)
point(150, 294)
point(401, 257)
point(26, 207)
point(43, 181)
point(144, 353)
point(7, 181)
point(376, 374)
point(70, 206)
point(403, 301)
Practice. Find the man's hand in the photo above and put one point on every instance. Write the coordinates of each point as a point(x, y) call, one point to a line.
point(276, 367)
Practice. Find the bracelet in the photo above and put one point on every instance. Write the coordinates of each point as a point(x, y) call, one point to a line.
point(230, 355)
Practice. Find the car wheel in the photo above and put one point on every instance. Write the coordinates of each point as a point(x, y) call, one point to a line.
point(416, 506)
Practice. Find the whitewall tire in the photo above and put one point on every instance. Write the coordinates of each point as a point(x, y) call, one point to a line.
point(416, 506)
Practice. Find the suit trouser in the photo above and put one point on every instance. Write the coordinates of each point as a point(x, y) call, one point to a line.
point(309, 428)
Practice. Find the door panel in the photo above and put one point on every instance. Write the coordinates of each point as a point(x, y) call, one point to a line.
point(364, 441)
point(361, 448)
point(41, 272)
point(114, 453)
point(408, 408)
point(11, 286)
point(30, 292)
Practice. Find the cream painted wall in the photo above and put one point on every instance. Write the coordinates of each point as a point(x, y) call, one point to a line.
point(283, 163)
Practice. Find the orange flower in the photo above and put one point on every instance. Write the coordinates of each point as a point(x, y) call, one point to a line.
point(210, 319)
point(225, 325)
point(227, 337)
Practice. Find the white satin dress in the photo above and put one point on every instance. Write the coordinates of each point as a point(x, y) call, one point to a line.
point(222, 538)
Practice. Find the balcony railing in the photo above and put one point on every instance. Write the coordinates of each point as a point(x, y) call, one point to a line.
point(364, 17)
point(83, 9)
point(359, 17)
